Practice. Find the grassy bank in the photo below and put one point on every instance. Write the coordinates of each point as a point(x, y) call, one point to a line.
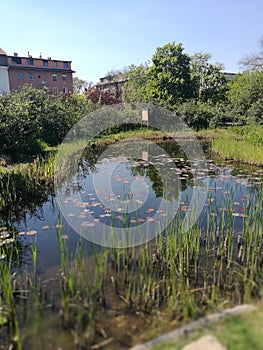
point(242, 144)
point(240, 332)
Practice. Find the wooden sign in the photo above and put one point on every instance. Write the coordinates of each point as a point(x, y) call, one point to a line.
point(145, 116)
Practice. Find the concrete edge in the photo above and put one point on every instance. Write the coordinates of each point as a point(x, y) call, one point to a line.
point(174, 335)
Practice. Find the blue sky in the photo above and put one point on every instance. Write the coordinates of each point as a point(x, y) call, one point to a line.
point(98, 36)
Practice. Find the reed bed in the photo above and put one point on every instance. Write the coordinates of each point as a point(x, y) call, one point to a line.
point(242, 144)
point(176, 277)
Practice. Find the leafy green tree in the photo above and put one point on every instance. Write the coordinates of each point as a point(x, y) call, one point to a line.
point(169, 79)
point(135, 88)
point(246, 93)
point(32, 118)
point(255, 112)
point(208, 80)
point(20, 127)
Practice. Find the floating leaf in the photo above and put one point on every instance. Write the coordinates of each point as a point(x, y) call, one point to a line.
point(31, 232)
point(46, 227)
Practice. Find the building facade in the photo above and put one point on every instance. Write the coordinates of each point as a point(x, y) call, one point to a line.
point(4, 78)
point(55, 75)
point(112, 84)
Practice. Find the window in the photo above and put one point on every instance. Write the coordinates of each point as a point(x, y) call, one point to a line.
point(65, 90)
point(55, 63)
point(30, 61)
point(45, 63)
point(16, 60)
point(30, 76)
point(65, 64)
point(55, 90)
point(64, 78)
point(19, 75)
point(54, 77)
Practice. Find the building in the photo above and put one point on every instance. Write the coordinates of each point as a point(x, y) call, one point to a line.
point(112, 84)
point(16, 71)
point(4, 78)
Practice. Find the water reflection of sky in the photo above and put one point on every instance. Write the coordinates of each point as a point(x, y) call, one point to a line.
point(228, 194)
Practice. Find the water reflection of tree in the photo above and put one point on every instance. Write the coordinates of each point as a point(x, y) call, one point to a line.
point(163, 177)
point(166, 185)
point(87, 163)
point(21, 195)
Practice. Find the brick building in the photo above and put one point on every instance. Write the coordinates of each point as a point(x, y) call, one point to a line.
point(55, 75)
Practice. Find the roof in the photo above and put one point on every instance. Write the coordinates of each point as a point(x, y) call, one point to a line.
point(2, 52)
point(34, 68)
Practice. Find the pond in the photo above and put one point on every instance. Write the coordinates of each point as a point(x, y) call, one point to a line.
point(129, 201)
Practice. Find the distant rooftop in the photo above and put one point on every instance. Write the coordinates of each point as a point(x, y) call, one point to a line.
point(2, 52)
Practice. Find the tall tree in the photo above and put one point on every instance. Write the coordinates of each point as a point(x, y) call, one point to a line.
point(246, 94)
point(255, 60)
point(135, 87)
point(80, 85)
point(168, 79)
point(208, 79)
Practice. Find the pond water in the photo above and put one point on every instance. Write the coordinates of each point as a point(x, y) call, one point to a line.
point(126, 192)
point(133, 193)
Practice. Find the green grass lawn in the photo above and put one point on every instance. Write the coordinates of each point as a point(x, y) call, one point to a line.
point(237, 332)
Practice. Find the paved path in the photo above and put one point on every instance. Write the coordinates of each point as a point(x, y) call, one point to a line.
point(207, 342)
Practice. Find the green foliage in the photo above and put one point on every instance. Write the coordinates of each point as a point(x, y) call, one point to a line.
point(255, 112)
point(196, 114)
point(208, 81)
point(168, 79)
point(135, 87)
point(246, 94)
point(242, 143)
point(224, 113)
point(32, 118)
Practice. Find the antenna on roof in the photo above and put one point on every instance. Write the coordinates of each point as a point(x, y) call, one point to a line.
point(40, 56)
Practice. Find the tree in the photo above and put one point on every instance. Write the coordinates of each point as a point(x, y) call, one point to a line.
point(168, 79)
point(135, 87)
point(246, 94)
point(195, 113)
point(208, 79)
point(255, 60)
point(80, 85)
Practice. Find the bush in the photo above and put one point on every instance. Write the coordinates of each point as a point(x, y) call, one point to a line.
point(32, 119)
point(196, 114)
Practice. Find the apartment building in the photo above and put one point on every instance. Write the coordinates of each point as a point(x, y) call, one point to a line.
point(113, 84)
point(15, 71)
